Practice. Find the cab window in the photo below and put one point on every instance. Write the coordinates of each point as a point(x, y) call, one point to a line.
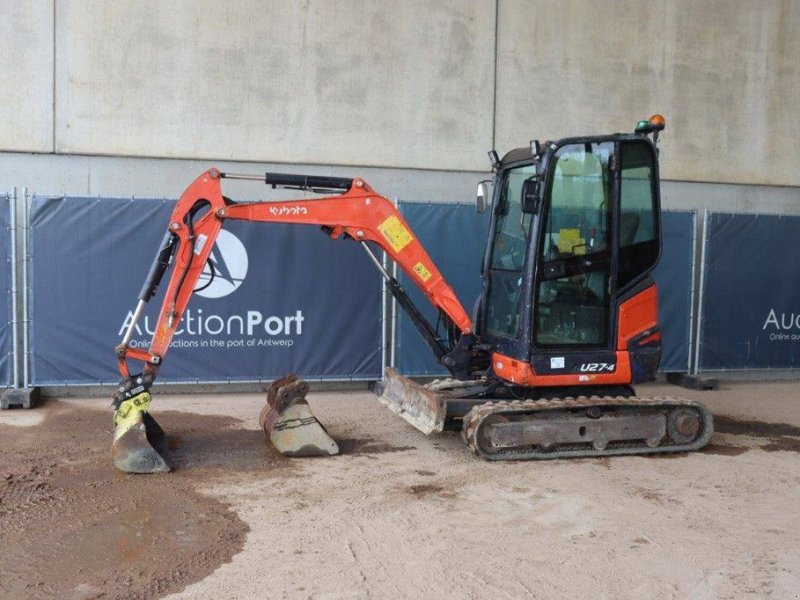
point(509, 248)
point(638, 219)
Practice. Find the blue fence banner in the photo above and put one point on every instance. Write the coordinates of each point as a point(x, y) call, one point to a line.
point(6, 338)
point(455, 236)
point(285, 298)
point(673, 276)
point(750, 307)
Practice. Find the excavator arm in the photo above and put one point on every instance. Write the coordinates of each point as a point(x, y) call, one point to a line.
point(357, 213)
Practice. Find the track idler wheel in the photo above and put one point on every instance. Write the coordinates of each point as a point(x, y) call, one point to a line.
point(683, 425)
point(289, 423)
point(140, 445)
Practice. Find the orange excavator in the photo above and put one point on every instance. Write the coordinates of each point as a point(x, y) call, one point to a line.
point(566, 322)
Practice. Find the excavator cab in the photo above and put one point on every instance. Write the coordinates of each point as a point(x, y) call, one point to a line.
point(575, 235)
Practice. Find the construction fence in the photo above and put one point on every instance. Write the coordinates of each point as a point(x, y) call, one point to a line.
point(282, 298)
point(7, 267)
point(749, 312)
point(286, 298)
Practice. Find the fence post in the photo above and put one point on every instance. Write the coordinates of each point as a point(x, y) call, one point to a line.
point(384, 323)
point(699, 327)
point(692, 297)
point(24, 396)
point(393, 328)
point(26, 226)
point(13, 291)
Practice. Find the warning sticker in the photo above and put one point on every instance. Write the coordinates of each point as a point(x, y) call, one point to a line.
point(395, 233)
point(200, 243)
point(423, 273)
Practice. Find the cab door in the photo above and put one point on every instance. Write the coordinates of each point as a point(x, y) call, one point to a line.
point(636, 296)
point(572, 329)
point(599, 242)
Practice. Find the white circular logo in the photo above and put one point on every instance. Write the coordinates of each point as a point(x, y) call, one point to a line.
point(229, 258)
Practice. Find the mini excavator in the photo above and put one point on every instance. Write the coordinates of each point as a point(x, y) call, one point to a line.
point(566, 322)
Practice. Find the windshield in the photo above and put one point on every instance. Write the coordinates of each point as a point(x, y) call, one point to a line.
point(509, 245)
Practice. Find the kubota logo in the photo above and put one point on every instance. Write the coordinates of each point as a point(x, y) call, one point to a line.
point(229, 258)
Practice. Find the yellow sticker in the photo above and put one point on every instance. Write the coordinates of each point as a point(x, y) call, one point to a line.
point(395, 233)
point(570, 241)
point(423, 273)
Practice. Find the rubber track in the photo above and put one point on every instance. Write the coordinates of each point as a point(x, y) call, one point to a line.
point(479, 415)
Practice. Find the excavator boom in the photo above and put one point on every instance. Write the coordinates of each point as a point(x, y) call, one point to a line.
point(357, 213)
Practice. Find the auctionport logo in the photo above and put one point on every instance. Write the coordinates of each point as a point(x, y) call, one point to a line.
point(242, 329)
point(784, 327)
point(229, 258)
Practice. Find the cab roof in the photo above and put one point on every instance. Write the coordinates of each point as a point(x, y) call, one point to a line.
point(524, 153)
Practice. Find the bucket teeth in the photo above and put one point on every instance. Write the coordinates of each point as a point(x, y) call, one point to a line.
point(140, 445)
point(289, 423)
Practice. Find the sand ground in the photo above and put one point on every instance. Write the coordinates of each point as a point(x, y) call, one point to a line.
point(397, 514)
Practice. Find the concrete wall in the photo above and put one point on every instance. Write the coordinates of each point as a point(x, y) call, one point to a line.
point(403, 84)
point(396, 85)
point(726, 74)
point(26, 75)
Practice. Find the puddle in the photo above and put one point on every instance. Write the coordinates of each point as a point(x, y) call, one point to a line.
point(780, 437)
point(126, 538)
point(369, 446)
point(72, 526)
point(232, 449)
point(724, 450)
point(754, 428)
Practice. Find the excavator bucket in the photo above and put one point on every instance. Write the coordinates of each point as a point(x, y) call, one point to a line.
point(289, 423)
point(421, 407)
point(140, 445)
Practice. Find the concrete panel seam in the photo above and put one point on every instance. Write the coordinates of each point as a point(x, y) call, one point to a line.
point(53, 124)
point(494, 84)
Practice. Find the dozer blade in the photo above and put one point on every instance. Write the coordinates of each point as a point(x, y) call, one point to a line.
point(289, 423)
point(140, 445)
point(423, 408)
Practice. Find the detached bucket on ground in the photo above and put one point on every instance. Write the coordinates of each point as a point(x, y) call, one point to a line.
point(289, 423)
